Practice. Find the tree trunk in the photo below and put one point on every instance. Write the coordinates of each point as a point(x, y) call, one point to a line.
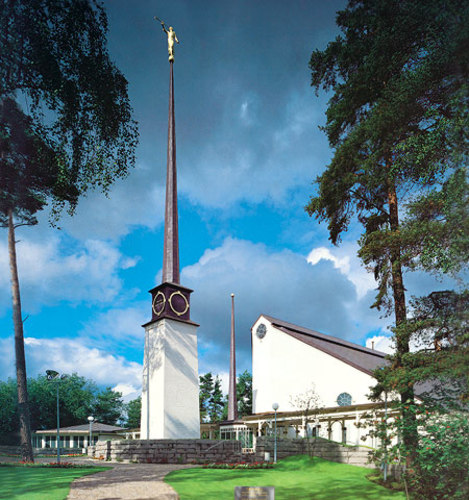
point(410, 435)
point(21, 381)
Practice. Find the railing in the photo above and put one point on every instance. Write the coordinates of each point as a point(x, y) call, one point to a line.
point(216, 444)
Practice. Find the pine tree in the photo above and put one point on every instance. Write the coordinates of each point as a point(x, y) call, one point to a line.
point(397, 123)
point(205, 393)
point(217, 401)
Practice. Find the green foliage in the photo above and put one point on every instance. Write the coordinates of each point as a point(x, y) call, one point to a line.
point(78, 396)
point(217, 402)
point(8, 413)
point(205, 391)
point(77, 116)
point(437, 227)
point(65, 123)
point(441, 459)
point(28, 166)
point(397, 121)
point(244, 393)
point(108, 406)
point(214, 406)
point(439, 330)
point(134, 410)
point(398, 125)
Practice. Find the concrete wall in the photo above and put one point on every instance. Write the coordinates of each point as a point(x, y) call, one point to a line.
point(170, 391)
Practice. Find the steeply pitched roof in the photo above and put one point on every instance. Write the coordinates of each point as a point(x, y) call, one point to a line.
point(95, 427)
point(361, 358)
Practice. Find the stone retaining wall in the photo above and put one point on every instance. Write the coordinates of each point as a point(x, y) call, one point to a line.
point(185, 451)
point(16, 450)
point(10, 450)
point(329, 450)
point(172, 451)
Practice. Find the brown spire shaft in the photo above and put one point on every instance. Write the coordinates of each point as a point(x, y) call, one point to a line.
point(171, 238)
point(232, 400)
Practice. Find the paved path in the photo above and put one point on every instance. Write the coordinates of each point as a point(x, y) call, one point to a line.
point(123, 482)
point(126, 482)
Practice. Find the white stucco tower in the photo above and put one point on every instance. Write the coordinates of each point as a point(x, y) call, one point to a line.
point(170, 393)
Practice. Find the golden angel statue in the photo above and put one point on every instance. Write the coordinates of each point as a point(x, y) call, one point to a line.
point(171, 39)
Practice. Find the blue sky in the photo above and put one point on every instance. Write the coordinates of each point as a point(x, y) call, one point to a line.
point(248, 151)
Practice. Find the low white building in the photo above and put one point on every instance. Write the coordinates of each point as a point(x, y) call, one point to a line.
point(76, 436)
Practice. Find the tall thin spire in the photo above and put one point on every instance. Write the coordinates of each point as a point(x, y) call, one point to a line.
point(232, 401)
point(171, 238)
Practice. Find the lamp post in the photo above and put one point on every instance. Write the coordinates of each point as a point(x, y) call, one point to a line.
point(275, 408)
point(53, 375)
point(90, 420)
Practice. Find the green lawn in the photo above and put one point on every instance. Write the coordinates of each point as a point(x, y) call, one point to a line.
point(39, 483)
point(295, 478)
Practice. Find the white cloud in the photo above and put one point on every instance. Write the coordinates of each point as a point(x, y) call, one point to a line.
point(381, 343)
point(243, 113)
point(257, 164)
point(281, 284)
point(71, 355)
point(128, 391)
point(224, 376)
point(54, 270)
point(346, 261)
point(137, 200)
point(67, 355)
point(118, 326)
point(320, 253)
point(386, 343)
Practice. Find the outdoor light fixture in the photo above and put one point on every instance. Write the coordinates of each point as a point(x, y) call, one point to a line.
point(90, 420)
point(275, 408)
point(53, 375)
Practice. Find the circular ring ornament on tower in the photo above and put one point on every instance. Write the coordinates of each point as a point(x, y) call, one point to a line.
point(175, 305)
point(159, 302)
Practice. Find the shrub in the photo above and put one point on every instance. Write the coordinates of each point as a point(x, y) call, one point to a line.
point(440, 462)
point(441, 465)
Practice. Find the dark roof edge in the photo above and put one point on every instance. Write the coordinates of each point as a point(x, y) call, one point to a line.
point(323, 336)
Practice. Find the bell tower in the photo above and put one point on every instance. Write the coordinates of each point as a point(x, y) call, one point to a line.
point(170, 391)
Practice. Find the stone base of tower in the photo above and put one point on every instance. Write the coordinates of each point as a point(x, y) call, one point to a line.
point(170, 394)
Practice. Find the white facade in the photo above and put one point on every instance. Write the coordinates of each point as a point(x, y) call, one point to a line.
point(289, 361)
point(283, 367)
point(170, 393)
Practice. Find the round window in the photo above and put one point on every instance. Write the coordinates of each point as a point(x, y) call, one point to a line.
point(344, 399)
point(261, 330)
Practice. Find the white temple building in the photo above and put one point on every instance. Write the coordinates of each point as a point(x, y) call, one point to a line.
point(319, 382)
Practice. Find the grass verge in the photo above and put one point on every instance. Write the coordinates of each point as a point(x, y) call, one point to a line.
point(39, 483)
point(295, 478)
